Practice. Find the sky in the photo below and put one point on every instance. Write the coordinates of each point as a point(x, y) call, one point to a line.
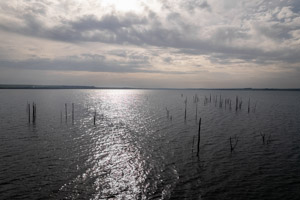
point(154, 43)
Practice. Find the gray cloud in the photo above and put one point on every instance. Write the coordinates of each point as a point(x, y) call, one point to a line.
point(129, 28)
point(83, 62)
point(224, 32)
point(192, 5)
point(107, 22)
point(168, 60)
point(87, 62)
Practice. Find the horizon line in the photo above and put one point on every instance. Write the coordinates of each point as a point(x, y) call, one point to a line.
point(29, 86)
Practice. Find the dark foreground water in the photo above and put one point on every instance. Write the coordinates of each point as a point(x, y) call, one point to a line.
point(136, 152)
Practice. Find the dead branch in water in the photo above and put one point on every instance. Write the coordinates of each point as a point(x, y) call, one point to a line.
point(232, 146)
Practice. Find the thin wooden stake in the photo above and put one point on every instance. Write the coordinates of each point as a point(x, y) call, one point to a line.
point(72, 113)
point(232, 147)
point(263, 137)
point(66, 112)
point(249, 105)
point(33, 112)
point(198, 148)
point(236, 103)
point(95, 118)
point(28, 105)
point(185, 108)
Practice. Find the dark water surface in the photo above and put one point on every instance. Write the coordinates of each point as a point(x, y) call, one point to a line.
point(136, 152)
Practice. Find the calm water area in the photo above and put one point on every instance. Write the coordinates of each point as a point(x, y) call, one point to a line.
point(142, 147)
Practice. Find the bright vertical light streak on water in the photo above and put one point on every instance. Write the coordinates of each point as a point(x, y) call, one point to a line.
point(116, 167)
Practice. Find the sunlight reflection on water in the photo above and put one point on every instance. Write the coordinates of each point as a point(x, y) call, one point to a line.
point(116, 166)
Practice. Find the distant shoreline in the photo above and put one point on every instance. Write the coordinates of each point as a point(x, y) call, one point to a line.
point(3, 86)
point(6, 86)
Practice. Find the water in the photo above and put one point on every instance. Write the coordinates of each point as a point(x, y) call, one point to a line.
point(136, 152)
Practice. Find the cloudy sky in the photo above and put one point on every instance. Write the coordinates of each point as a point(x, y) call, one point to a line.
point(154, 43)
